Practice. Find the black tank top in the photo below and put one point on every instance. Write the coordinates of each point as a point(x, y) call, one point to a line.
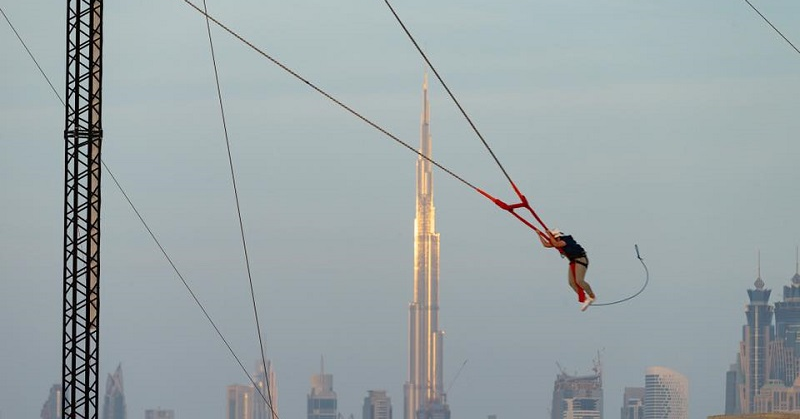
point(572, 250)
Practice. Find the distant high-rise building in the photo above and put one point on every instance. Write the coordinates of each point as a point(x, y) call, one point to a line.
point(423, 393)
point(248, 401)
point(322, 403)
point(114, 401)
point(578, 397)
point(733, 381)
point(787, 312)
point(633, 403)
point(240, 402)
point(52, 407)
point(666, 394)
point(756, 337)
point(764, 378)
point(159, 414)
point(785, 351)
point(377, 405)
point(269, 388)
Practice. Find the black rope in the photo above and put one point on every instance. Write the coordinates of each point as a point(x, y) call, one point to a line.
point(452, 96)
point(646, 281)
point(180, 276)
point(146, 226)
point(32, 57)
point(773, 26)
point(268, 398)
point(331, 98)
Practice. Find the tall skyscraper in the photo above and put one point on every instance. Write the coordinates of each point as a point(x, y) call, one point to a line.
point(578, 397)
point(52, 407)
point(784, 364)
point(246, 402)
point(261, 409)
point(632, 403)
point(322, 403)
point(756, 337)
point(666, 394)
point(159, 414)
point(423, 392)
point(240, 402)
point(377, 405)
point(114, 401)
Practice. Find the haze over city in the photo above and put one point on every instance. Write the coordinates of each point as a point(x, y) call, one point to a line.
point(672, 126)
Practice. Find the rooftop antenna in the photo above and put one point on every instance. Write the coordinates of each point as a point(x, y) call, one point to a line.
point(759, 263)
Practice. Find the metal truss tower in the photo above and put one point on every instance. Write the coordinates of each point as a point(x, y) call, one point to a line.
point(83, 135)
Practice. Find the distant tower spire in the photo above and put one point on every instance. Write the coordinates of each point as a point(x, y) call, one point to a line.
point(759, 282)
point(759, 263)
point(322, 364)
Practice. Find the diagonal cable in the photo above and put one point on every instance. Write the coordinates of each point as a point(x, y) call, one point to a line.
point(144, 223)
point(452, 96)
point(239, 212)
point(329, 96)
point(32, 57)
point(773, 26)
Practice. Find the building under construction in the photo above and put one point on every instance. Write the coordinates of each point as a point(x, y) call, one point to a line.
point(578, 397)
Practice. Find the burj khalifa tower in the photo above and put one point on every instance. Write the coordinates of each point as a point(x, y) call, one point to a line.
point(424, 392)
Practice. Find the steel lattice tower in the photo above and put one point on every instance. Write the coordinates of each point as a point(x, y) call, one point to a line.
point(83, 137)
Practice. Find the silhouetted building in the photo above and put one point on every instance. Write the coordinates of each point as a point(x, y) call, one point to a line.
point(159, 414)
point(578, 397)
point(52, 407)
point(322, 403)
point(632, 403)
point(666, 394)
point(377, 405)
point(114, 401)
point(423, 393)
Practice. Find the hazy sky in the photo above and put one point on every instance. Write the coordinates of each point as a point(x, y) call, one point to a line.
point(668, 124)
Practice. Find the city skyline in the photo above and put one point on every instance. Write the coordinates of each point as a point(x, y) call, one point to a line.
point(764, 377)
point(662, 124)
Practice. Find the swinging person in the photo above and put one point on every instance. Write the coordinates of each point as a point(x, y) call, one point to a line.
point(578, 264)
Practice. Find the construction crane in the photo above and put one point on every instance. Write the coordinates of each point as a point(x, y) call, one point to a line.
point(83, 135)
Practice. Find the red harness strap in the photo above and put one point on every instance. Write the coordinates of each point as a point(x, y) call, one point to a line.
point(522, 204)
point(546, 233)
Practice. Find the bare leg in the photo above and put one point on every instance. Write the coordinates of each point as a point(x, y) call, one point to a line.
point(580, 274)
point(571, 280)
